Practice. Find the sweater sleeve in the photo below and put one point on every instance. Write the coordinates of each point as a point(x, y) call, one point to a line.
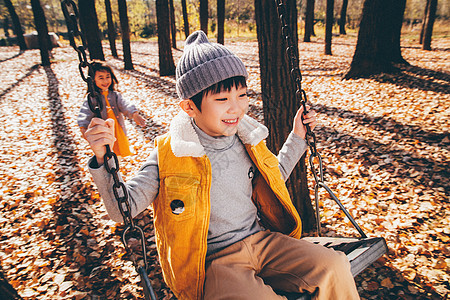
point(290, 154)
point(142, 188)
point(85, 115)
point(125, 107)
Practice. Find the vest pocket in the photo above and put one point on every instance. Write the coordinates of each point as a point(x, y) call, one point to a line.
point(181, 193)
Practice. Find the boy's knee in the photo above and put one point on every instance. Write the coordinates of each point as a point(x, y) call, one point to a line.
point(338, 263)
point(335, 261)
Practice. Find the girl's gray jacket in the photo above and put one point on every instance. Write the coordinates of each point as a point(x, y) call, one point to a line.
point(119, 105)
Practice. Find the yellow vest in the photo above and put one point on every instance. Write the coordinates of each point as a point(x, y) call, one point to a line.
point(182, 208)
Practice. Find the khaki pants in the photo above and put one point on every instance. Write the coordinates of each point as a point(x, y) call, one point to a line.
point(266, 261)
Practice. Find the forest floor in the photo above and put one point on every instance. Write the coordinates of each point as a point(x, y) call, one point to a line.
point(384, 143)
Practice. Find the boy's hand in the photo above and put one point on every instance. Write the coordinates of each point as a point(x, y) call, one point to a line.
point(99, 134)
point(139, 119)
point(299, 124)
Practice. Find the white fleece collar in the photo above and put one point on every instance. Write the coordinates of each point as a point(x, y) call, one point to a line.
point(185, 141)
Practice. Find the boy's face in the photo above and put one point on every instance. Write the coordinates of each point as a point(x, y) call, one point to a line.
point(222, 112)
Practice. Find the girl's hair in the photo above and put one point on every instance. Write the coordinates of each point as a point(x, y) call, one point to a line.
point(98, 65)
point(224, 85)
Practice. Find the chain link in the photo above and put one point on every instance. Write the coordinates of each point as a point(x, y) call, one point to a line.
point(300, 94)
point(111, 162)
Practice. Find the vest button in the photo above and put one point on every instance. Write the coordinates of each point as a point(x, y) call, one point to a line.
point(177, 206)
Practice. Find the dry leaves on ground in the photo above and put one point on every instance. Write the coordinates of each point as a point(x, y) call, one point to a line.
point(384, 142)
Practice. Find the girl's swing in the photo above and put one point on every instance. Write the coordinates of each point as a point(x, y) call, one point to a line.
point(362, 251)
point(111, 161)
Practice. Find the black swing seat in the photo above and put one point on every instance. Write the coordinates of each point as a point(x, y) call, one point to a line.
point(361, 253)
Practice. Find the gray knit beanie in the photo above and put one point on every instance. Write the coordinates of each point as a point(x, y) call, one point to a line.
point(204, 64)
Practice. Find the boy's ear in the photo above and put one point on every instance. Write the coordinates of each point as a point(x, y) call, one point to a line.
point(189, 107)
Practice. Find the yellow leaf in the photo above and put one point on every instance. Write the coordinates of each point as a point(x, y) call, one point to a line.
point(387, 283)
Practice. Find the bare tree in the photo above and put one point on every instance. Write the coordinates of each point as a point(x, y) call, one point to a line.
point(111, 29)
point(88, 17)
point(16, 25)
point(424, 21)
point(428, 28)
point(166, 64)
point(204, 16)
point(221, 21)
point(125, 27)
point(378, 45)
point(42, 30)
point(173, 27)
point(329, 26)
point(309, 20)
point(279, 101)
point(185, 18)
point(397, 13)
point(343, 18)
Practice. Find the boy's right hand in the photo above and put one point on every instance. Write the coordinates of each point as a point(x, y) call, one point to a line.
point(100, 133)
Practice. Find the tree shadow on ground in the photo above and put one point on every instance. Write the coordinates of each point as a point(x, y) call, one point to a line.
point(402, 131)
point(12, 57)
point(153, 82)
point(413, 77)
point(18, 81)
point(419, 47)
point(73, 219)
point(431, 173)
point(404, 288)
point(7, 291)
point(72, 212)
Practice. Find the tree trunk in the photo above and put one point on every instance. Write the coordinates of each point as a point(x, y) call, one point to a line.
point(343, 18)
point(125, 27)
point(397, 13)
point(111, 29)
point(309, 20)
point(185, 18)
point(91, 31)
point(16, 25)
point(173, 27)
point(424, 21)
point(431, 16)
point(204, 16)
point(6, 27)
point(329, 26)
point(166, 64)
point(42, 30)
point(374, 51)
point(221, 22)
point(279, 101)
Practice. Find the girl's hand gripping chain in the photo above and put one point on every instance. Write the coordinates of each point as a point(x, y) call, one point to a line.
point(300, 121)
point(100, 133)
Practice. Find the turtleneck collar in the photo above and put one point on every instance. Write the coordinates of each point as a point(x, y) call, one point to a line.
point(220, 143)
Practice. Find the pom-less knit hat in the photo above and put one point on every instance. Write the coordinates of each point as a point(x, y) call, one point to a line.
point(204, 64)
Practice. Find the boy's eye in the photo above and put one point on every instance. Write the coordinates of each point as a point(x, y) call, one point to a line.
point(243, 95)
point(221, 99)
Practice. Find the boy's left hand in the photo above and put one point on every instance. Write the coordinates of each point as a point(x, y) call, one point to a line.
point(300, 125)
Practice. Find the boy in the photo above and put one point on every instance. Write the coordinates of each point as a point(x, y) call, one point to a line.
point(225, 227)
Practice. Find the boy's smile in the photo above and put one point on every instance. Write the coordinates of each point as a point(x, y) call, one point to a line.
point(222, 112)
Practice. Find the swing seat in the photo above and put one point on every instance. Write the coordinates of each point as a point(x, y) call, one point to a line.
point(361, 252)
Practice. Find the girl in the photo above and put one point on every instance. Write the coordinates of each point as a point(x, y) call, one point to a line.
point(114, 107)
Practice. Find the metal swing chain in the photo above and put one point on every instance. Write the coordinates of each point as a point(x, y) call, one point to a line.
point(111, 162)
point(300, 94)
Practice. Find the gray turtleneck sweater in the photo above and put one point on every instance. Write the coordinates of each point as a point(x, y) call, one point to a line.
point(233, 215)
